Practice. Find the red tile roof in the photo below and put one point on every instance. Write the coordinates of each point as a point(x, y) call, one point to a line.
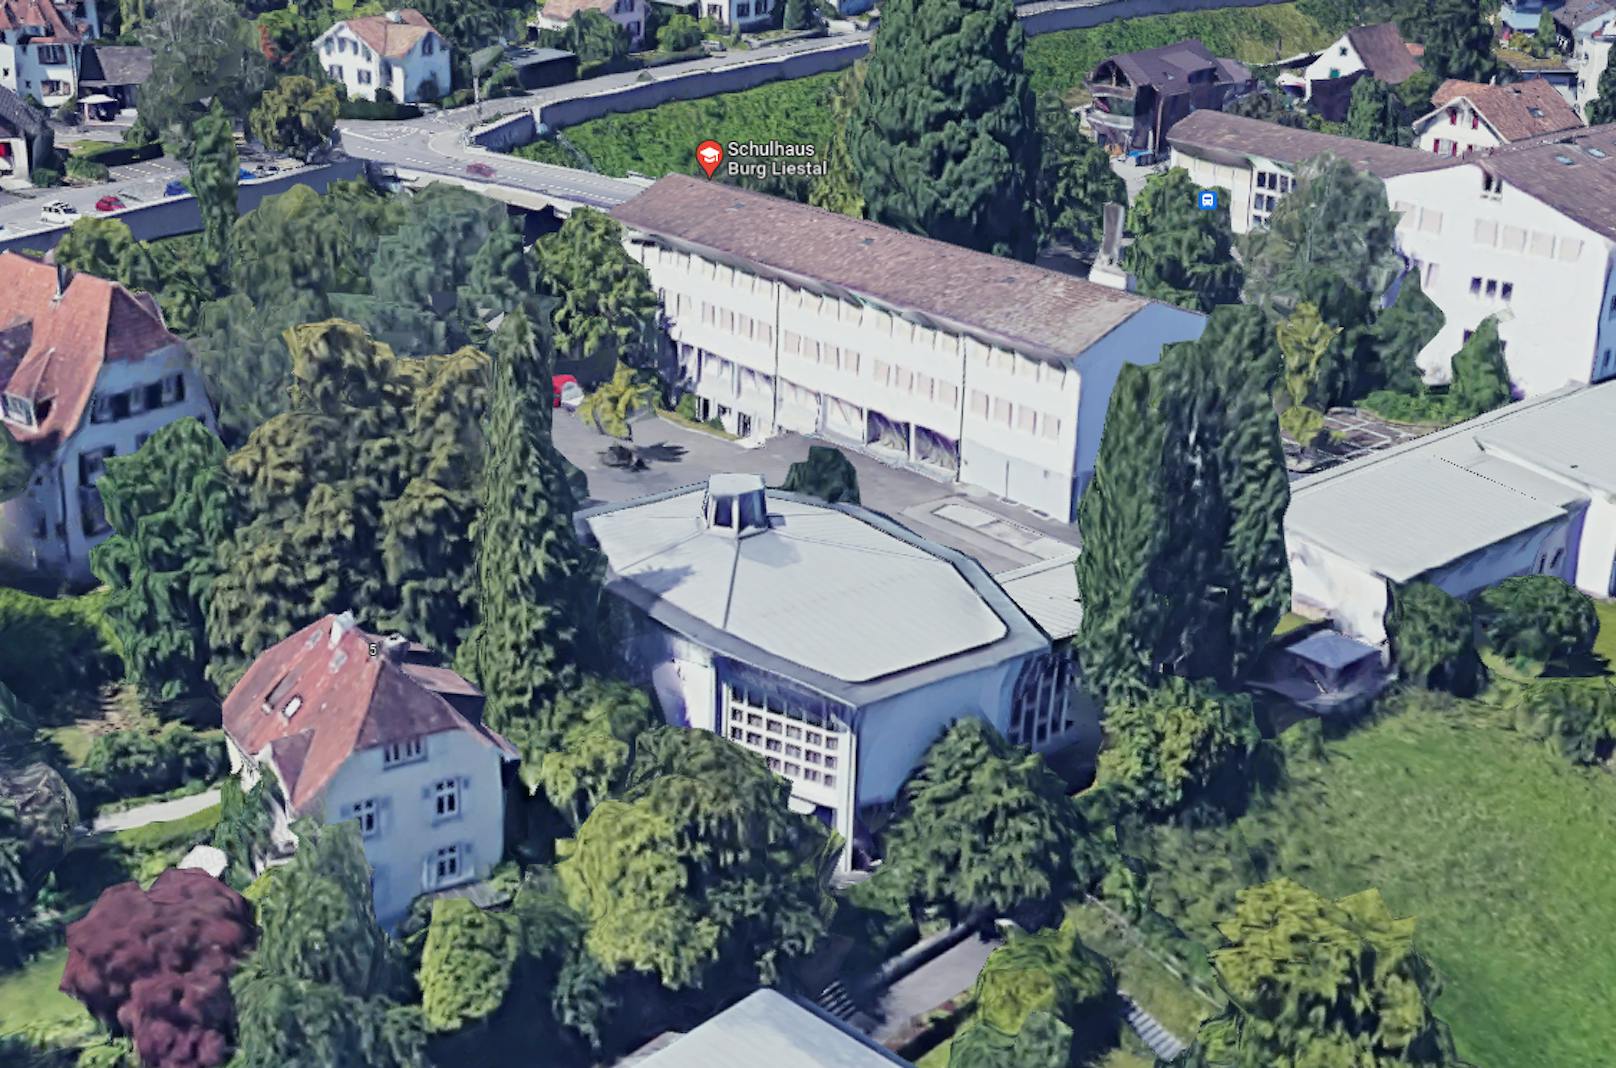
point(1384, 52)
point(343, 700)
point(59, 24)
point(389, 38)
point(56, 341)
point(1516, 111)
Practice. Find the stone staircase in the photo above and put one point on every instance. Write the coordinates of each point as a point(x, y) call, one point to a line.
point(1162, 1042)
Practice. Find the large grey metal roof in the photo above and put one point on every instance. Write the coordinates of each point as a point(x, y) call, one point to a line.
point(1405, 511)
point(770, 1030)
point(1047, 591)
point(839, 598)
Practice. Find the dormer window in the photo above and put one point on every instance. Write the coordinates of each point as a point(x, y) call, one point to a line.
point(17, 410)
point(292, 706)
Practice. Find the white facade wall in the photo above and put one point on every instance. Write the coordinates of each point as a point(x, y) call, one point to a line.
point(1455, 129)
point(769, 356)
point(44, 529)
point(1340, 60)
point(1595, 561)
point(403, 849)
point(1593, 56)
point(47, 72)
point(1548, 279)
point(1246, 211)
point(361, 70)
point(740, 14)
point(629, 14)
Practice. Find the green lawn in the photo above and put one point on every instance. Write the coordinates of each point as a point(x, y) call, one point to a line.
point(1161, 993)
point(1605, 646)
point(1499, 849)
point(29, 999)
point(662, 140)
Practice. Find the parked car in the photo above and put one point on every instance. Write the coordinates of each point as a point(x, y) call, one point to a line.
point(480, 170)
point(58, 211)
point(109, 203)
point(175, 188)
point(568, 393)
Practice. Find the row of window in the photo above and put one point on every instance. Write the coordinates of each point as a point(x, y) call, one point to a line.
point(445, 804)
point(1275, 181)
point(1022, 417)
point(342, 44)
point(361, 76)
point(1491, 288)
point(111, 407)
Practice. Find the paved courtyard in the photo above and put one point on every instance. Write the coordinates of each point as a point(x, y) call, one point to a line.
point(1000, 535)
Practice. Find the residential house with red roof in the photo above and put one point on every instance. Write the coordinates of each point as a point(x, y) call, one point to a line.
point(356, 726)
point(1377, 51)
point(88, 371)
point(40, 42)
point(400, 51)
point(629, 14)
point(1469, 116)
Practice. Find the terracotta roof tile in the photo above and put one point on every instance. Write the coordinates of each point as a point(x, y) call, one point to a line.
point(1038, 312)
point(388, 38)
point(1516, 111)
point(60, 24)
point(563, 10)
point(342, 700)
point(1384, 52)
point(1235, 138)
point(72, 333)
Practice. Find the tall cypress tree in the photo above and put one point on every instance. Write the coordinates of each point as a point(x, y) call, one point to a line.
point(215, 170)
point(1121, 516)
point(537, 585)
point(944, 135)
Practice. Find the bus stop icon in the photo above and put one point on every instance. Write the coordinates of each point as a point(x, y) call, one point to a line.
point(1207, 199)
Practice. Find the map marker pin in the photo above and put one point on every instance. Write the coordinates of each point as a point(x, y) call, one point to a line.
point(709, 154)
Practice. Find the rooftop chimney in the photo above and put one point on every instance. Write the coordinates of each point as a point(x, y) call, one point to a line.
point(395, 15)
point(340, 626)
point(395, 647)
point(735, 505)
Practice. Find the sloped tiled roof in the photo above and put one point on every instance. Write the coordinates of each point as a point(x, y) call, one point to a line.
point(389, 38)
point(115, 65)
point(1038, 312)
point(1384, 52)
point(563, 10)
point(1578, 13)
point(18, 115)
point(1167, 68)
point(1234, 137)
point(70, 334)
point(1573, 171)
point(343, 700)
point(59, 25)
point(1516, 111)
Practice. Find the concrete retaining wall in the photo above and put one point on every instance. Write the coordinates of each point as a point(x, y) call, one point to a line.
point(507, 133)
point(172, 216)
point(693, 85)
point(1050, 17)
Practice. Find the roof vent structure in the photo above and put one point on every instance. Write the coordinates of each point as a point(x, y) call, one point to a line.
point(395, 16)
point(736, 505)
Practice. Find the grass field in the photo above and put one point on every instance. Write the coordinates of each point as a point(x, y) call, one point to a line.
point(29, 999)
point(1496, 846)
point(663, 139)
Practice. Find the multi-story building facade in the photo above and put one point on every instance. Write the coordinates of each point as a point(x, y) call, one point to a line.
point(828, 639)
point(399, 51)
point(629, 14)
point(966, 366)
point(356, 726)
point(40, 42)
point(1469, 116)
point(88, 371)
point(1521, 231)
point(1591, 58)
point(1138, 96)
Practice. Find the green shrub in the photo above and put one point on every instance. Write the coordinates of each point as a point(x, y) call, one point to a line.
point(45, 177)
point(1433, 638)
point(136, 763)
point(1575, 718)
point(84, 170)
point(51, 649)
point(116, 155)
point(1538, 619)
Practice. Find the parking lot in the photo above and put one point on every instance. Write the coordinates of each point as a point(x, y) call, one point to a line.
point(1000, 535)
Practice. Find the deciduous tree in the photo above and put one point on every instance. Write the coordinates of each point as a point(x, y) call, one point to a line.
point(1181, 253)
point(466, 964)
point(214, 173)
point(984, 827)
point(605, 309)
point(1458, 39)
point(1319, 982)
point(202, 51)
point(799, 15)
point(1433, 638)
point(170, 507)
point(1538, 619)
point(296, 116)
point(1184, 746)
point(594, 38)
point(1480, 375)
point(592, 728)
point(38, 820)
point(1377, 113)
point(156, 965)
point(699, 873)
point(944, 136)
point(323, 985)
point(1602, 108)
point(1400, 332)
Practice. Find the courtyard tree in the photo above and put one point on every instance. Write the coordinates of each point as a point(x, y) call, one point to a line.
point(605, 309)
point(155, 965)
point(1433, 640)
point(296, 116)
point(1480, 375)
point(1400, 332)
point(1314, 981)
point(1312, 374)
point(944, 134)
point(170, 507)
point(1180, 253)
point(1377, 113)
point(1184, 747)
point(983, 827)
point(1537, 620)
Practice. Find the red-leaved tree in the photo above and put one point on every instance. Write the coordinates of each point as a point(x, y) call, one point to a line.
point(156, 964)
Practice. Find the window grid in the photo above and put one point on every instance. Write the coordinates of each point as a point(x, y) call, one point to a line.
point(810, 756)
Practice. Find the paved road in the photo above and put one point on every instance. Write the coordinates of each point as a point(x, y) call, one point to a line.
point(136, 183)
point(156, 812)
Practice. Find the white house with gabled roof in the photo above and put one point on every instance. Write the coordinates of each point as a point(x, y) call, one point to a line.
point(400, 51)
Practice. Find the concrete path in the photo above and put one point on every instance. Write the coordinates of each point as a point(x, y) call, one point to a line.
point(949, 974)
point(156, 812)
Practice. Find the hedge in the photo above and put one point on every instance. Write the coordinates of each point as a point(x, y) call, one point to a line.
point(116, 155)
point(135, 763)
point(379, 110)
point(52, 648)
point(80, 169)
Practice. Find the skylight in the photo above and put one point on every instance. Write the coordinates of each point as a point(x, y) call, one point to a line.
point(1596, 153)
point(1563, 159)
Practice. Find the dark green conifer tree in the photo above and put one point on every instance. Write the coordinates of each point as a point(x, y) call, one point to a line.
point(1180, 253)
point(214, 173)
point(944, 134)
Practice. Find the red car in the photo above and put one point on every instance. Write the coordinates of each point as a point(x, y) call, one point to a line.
point(480, 170)
point(568, 393)
point(109, 203)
